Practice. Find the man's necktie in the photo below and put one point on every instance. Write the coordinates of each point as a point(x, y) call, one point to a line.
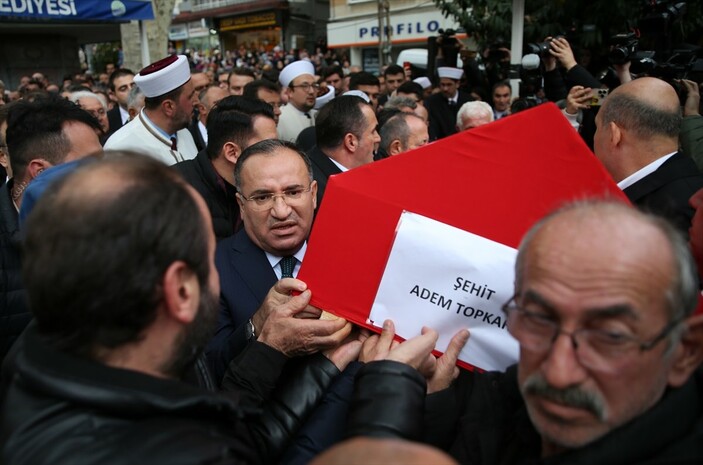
point(308, 115)
point(452, 103)
point(287, 266)
point(174, 143)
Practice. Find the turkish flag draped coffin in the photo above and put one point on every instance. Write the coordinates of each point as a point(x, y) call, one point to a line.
point(434, 230)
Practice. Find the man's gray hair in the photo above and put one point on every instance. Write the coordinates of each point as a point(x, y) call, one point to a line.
point(397, 102)
point(473, 111)
point(136, 98)
point(76, 96)
point(642, 119)
point(397, 128)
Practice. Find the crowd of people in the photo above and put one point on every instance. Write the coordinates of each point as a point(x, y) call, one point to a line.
point(153, 228)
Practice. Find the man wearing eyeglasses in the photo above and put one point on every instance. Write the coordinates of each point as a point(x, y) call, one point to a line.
point(609, 352)
point(301, 88)
point(276, 196)
point(93, 104)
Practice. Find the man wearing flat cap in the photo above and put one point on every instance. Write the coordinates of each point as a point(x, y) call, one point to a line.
point(298, 81)
point(443, 106)
point(161, 128)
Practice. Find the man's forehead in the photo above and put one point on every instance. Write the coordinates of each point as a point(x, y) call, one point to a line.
point(89, 102)
point(122, 81)
point(616, 246)
point(303, 78)
point(268, 93)
point(252, 167)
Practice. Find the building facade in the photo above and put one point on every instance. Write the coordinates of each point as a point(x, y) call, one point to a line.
point(353, 24)
point(252, 24)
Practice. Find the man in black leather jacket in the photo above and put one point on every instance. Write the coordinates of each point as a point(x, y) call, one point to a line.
point(124, 301)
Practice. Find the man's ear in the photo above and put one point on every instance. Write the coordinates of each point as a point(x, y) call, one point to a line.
point(181, 292)
point(168, 106)
point(689, 355)
point(36, 166)
point(616, 134)
point(395, 148)
point(231, 152)
point(350, 142)
point(313, 192)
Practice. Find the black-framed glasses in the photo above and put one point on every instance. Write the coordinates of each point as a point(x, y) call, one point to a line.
point(266, 200)
point(599, 349)
point(307, 86)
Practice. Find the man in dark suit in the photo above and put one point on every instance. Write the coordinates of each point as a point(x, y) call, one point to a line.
point(207, 98)
point(233, 125)
point(347, 137)
point(121, 82)
point(277, 198)
point(443, 106)
point(637, 141)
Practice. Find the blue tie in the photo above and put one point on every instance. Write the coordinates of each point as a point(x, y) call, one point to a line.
point(287, 266)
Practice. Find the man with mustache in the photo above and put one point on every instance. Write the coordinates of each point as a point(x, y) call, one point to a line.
point(609, 349)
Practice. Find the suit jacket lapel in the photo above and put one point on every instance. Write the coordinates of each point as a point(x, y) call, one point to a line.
point(253, 266)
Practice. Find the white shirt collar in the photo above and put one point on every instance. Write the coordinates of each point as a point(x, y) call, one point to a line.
point(124, 115)
point(645, 171)
point(275, 260)
point(341, 167)
point(203, 131)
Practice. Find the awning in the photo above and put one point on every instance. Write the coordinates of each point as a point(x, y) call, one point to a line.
point(76, 10)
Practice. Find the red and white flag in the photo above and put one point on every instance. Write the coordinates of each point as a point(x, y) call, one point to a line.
point(429, 237)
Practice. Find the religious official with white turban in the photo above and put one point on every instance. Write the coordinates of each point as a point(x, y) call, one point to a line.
point(299, 83)
point(160, 129)
point(442, 107)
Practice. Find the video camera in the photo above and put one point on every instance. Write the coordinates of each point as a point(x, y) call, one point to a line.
point(541, 48)
point(623, 48)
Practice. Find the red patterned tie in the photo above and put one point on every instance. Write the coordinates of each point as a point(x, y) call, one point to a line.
point(174, 143)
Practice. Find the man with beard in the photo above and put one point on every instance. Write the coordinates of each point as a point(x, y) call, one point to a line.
point(299, 84)
point(609, 368)
point(161, 128)
point(101, 366)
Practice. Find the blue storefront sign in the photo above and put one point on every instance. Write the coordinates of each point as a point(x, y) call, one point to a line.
point(77, 10)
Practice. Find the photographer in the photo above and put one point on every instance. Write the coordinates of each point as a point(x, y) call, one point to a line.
point(555, 86)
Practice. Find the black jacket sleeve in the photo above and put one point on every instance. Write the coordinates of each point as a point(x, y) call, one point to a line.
point(579, 76)
point(286, 390)
point(554, 85)
point(389, 400)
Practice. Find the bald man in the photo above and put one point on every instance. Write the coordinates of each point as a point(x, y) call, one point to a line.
point(637, 140)
point(362, 451)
